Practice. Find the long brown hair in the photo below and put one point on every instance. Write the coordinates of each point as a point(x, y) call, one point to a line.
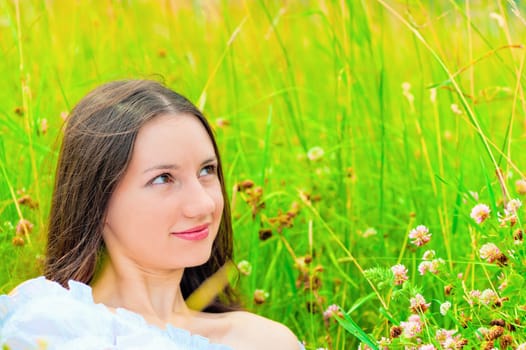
point(96, 149)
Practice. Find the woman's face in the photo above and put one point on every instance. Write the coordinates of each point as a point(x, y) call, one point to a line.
point(165, 212)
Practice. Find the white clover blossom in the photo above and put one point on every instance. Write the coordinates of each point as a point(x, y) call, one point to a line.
point(513, 205)
point(400, 274)
point(420, 235)
point(444, 307)
point(418, 303)
point(369, 231)
point(244, 267)
point(315, 153)
point(489, 297)
point(331, 311)
point(480, 213)
point(456, 109)
point(489, 252)
point(412, 327)
point(428, 255)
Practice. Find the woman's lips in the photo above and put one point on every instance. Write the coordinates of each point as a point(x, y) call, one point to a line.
point(194, 234)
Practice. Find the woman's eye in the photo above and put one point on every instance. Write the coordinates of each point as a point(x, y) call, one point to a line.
point(162, 179)
point(208, 170)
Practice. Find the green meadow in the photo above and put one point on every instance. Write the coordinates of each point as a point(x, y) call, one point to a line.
point(343, 126)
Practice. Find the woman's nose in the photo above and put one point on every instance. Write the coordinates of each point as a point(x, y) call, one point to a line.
point(198, 200)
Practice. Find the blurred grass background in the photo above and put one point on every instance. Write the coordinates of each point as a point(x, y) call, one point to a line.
point(349, 81)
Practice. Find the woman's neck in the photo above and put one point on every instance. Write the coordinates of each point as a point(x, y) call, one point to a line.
point(156, 295)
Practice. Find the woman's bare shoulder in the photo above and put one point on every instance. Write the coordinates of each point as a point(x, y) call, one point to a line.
point(250, 331)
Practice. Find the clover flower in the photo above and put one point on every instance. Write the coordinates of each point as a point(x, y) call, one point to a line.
point(456, 109)
point(474, 297)
point(435, 265)
point(384, 343)
point(418, 304)
point(432, 266)
point(520, 186)
point(315, 153)
point(490, 252)
point(412, 327)
point(510, 213)
point(428, 255)
point(420, 235)
point(508, 217)
point(370, 231)
point(513, 205)
point(400, 274)
point(480, 213)
point(244, 267)
point(427, 347)
point(448, 339)
point(423, 267)
point(489, 297)
point(43, 126)
point(331, 311)
point(444, 308)
point(442, 335)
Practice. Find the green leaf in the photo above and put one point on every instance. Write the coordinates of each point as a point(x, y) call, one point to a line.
point(350, 326)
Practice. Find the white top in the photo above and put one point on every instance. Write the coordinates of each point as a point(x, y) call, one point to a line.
point(40, 313)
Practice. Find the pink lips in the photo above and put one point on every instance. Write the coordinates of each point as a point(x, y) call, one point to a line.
point(194, 234)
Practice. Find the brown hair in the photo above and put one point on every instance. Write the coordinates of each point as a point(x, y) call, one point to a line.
point(95, 152)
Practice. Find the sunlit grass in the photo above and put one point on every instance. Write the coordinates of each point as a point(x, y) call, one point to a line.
point(408, 109)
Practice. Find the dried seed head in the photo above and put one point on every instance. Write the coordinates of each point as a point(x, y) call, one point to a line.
point(260, 296)
point(518, 235)
point(312, 307)
point(265, 233)
point(24, 227)
point(27, 201)
point(246, 184)
point(222, 123)
point(495, 332)
point(349, 172)
point(19, 111)
point(505, 341)
point(461, 343)
point(395, 331)
point(18, 241)
point(489, 345)
point(497, 322)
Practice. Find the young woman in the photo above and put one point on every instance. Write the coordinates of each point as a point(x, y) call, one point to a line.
point(139, 220)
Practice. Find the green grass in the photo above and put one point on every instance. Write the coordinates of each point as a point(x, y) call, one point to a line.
point(290, 76)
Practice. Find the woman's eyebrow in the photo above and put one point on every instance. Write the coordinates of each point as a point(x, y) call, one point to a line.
point(212, 159)
point(162, 167)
